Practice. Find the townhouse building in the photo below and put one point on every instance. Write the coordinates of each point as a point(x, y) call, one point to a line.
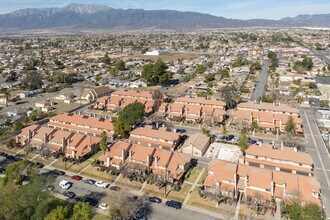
point(194, 110)
point(96, 93)
point(82, 124)
point(196, 144)
point(262, 186)
point(285, 159)
point(121, 98)
point(158, 138)
point(145, 160)
point(58, 142)
point(269, 116)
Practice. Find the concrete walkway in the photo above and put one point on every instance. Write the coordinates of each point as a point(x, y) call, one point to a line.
point(238, 207)
point(84, 169)
point(193, 186)
point(278, 211)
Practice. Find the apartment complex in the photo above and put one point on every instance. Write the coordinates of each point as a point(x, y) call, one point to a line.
point(285, 159)
point(96, 93)
point(158, 138)
point(194, 110)
point(259, 185)
point(269, 116)
point(58, 142)
point(82, 124)
point(145, 160)
point(121, 98)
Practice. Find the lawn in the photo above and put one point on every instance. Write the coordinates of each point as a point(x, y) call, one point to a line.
point(92, 172)
point(75, 168)
point(194, 174)
point(98, 216)
point(28, 156)
point(199, 202)
point(203, 177)
point(95, 156)
point(179, 196)
point(9, 151)
point(46, 161)
point(124, 182)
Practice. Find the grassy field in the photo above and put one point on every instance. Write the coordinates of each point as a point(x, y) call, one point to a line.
point(95, 174)
point(46, 161)
point(179, 196)
point(197, 201)
point(124, 182)
point(99, 216)
point(203, 177)
point(194, 174)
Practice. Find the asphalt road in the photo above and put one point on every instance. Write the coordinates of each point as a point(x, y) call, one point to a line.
point(316, 148)
point(260, 88)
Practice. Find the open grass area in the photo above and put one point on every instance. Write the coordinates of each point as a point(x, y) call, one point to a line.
point(98, 216)
point(9, 151)
point(203, 177)
point(194, 174)
point(45, 161)
point(28, 156)
point(93, 173)
point(179, 196)
point(95, 156)
point(75, 168)
point(125, 183)
point(197, 201)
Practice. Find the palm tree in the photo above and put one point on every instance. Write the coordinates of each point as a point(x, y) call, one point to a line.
point(6, 92)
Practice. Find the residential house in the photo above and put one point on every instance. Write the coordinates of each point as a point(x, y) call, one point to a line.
point(269, 116)
point(158, 138)
point(196, 145)
point(82, 124)
point(286, 159)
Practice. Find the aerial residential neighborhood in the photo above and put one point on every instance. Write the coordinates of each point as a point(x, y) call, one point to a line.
point(123, 114)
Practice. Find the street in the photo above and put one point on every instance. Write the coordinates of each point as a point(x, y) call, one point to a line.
point(316, 148)
point(260, 88)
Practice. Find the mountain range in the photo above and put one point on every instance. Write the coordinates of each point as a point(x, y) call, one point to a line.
point(90, 16)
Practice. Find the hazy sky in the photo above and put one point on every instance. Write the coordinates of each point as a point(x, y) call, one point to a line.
point(241, 9)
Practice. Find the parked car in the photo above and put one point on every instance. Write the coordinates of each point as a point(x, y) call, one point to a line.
point(173, 204)
point(90, 181)
point(76, 177)
point(115, 188)
point(69, 194)
point(90, 201)
point(2, 171)
point(155, 199)
point(140, 216)
point(229, 137)
point(58, 172)
point(181, 131)
point(103, 206)
point(102, 184)
point(39, 165)
point(252, 142)
point(65, 184)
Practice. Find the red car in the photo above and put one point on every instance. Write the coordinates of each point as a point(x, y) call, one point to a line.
point(76, 177)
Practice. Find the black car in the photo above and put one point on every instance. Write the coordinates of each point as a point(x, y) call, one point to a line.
point(181, 131)
point(39, 165)
point(10, 157)
point(173, 204)
point(69, 194)
point(90, 181)
point(155, 199)
point(2, 170)
point(251, 141)
point(90, 201)
point(58, 172)
point(229, 137)
point(115, 188)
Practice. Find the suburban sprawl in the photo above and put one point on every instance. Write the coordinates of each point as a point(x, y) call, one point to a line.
point(218, 124)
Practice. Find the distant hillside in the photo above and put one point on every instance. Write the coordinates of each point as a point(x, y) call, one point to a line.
point(91, 16)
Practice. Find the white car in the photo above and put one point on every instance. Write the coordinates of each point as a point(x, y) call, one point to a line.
point(65, 184)
point(103, 206)
point(102, 184)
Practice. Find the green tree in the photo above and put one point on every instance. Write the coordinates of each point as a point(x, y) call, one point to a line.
point(106, 59)
point(32, 81)
point(156, 74)
point(18, 126)
point(228, 94)
point(81, 211)
point(210, 77)
point(181, 71)
point(120, 65)
point(132, 113)
point(224, 73)
point(272, 56)
point(295, 211)
point(104, 141)
point(121, 128)
point(59, 213)
point(200, 69)
point(290, 126)
point(255, 125)
point(243, 140)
